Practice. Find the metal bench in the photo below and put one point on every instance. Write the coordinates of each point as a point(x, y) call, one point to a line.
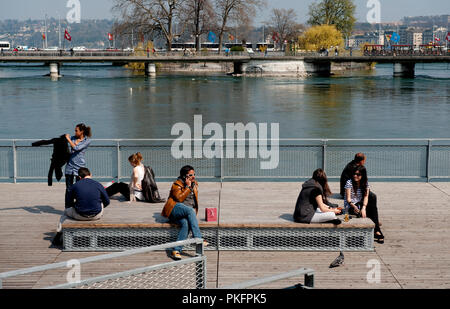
point(355, 235)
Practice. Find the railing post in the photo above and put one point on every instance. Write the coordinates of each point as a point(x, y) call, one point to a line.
point(14, 161)
point(221, 161)
point(118, 161)
point(429, 161)
point(200, 267)
point(324, 154)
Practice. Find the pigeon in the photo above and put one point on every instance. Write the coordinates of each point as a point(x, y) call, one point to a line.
point(338, 261)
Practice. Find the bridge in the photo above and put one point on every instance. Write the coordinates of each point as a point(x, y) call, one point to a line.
point(313, 63)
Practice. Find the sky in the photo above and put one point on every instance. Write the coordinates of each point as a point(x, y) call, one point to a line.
point(391, 10)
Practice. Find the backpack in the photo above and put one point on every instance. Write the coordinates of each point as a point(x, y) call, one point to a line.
point(149, 187)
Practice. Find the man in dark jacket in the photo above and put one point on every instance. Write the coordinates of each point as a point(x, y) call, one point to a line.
point(60, 156)
point(85, 201)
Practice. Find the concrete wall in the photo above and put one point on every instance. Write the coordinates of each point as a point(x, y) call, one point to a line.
point(297, 68)
point(277, 68)
point(209, 67)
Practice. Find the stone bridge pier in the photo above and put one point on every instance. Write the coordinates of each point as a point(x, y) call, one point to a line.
point(404, 69)
point(55, 70)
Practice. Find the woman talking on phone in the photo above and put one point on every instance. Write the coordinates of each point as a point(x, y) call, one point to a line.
point(182, 207)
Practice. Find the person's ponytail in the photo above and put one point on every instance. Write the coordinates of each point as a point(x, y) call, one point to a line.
point(87, 132)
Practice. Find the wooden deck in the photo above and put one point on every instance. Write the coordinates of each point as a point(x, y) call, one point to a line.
point(415, 219)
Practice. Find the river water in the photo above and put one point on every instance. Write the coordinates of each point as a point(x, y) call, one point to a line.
point(118, 104)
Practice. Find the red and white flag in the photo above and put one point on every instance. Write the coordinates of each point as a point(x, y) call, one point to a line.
point(448, 36)
point(67, 36)
point(110, 37)
point(437, 39)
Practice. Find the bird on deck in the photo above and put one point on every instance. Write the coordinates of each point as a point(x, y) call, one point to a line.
point(338, 261)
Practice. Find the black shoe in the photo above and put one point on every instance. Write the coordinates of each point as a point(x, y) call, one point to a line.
point(58, 241)
point(379, 238)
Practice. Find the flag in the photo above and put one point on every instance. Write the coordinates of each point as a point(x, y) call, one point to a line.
point(448, 36)
point(43, 36)
point(110, 37)
point(395, 37)
point(67, 36)
point(437, 39)
point(276, 37)
point(211, 37)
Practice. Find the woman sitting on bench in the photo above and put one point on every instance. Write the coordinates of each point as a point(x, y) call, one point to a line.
point(312, 204)
point(182, 207)
point(132, 191)
point(357, 200)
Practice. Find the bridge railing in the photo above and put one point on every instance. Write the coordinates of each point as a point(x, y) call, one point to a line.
point(292, 159)
point(65, 53)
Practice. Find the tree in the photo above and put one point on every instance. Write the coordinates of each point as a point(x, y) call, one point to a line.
point(320, 37)
point(283, 22)
point(340, 13)
point(238, 10)
point(161, 15)
point(204, 19)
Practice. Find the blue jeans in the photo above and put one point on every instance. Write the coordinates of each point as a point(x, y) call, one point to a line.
point(187, 219)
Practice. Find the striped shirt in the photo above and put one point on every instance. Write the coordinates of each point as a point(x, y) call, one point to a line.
point(354, 196)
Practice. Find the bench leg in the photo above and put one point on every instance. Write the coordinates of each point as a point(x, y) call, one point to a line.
point(309, 280)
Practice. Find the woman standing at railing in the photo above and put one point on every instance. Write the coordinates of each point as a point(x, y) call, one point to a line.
point(78, 145)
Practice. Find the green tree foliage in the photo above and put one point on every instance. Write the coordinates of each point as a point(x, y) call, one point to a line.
point(340, 13)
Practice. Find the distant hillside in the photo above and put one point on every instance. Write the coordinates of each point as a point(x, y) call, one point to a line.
point(427, 21)
point(89, 33)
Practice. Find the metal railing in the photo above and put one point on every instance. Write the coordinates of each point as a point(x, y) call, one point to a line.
point(308, 280)
point(155, 276)
point(419, 159)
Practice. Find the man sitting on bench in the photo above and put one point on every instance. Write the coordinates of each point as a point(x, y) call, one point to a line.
point(85, 201)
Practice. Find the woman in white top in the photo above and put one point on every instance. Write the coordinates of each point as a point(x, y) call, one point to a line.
point(133, 190)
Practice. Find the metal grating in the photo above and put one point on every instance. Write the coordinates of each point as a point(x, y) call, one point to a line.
point(235, 239)
point(126, 238)
point(296, 239)
point(6, 162)
point(185, 276)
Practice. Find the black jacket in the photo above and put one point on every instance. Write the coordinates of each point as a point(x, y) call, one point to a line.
point(149, 187)
point(60, 156)
point(306, 206)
